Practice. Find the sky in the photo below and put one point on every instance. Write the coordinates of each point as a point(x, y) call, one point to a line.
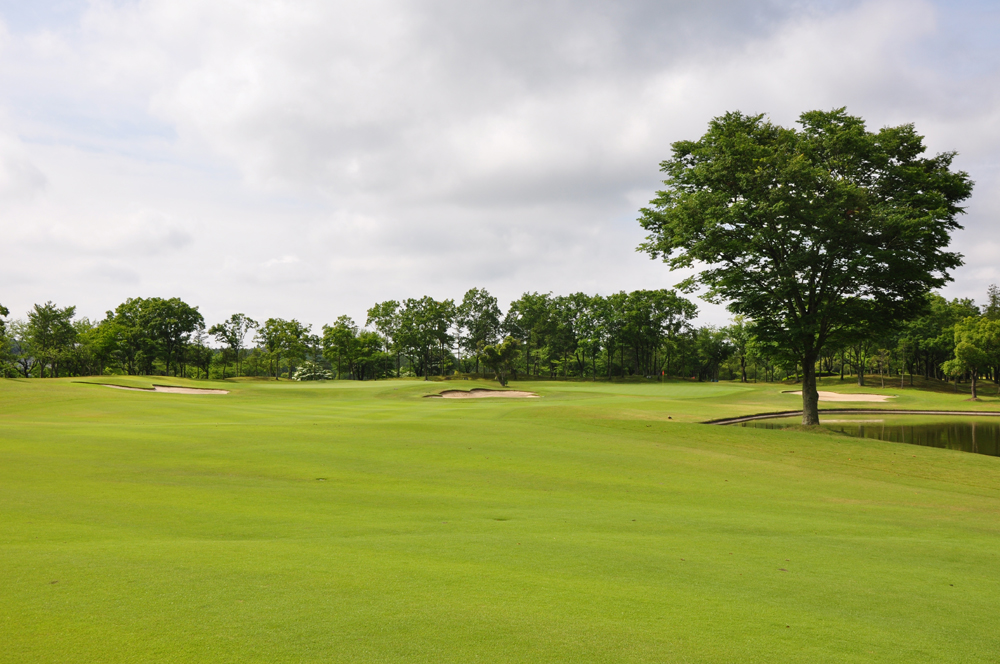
point(307, 159)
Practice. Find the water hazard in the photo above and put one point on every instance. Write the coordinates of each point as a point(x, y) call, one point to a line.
point(967, 434)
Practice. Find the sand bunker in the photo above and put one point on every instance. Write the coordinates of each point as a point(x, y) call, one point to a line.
point(481, 393)
point(170, 389)
point(837, 396)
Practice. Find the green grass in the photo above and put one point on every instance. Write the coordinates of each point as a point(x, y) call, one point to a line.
point(600, 523)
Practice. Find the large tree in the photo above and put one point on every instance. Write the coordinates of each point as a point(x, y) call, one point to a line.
point(809, 232)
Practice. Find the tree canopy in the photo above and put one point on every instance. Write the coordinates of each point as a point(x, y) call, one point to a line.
point(812, 232)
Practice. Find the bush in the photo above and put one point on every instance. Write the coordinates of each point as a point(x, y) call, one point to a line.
point(311, 371)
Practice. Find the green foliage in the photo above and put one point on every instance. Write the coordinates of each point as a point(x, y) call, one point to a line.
point(478, 319)
point(282, 339)
point(502, 357)
point(991, 309)
point(340, 344)
point(424, 330)
point(977, 346)
point(7, 367)
point(51, 332)
point(384, 317)
point(930, 338)
point(141, 331)
point(311, 371)
point(232, 333)
point(811, 233)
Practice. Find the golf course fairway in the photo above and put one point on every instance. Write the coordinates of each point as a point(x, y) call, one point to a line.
point(361, 522)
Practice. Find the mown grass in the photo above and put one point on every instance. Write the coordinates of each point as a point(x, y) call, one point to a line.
point(357, 522)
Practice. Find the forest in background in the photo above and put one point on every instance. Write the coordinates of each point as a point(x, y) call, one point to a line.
point(645, 333)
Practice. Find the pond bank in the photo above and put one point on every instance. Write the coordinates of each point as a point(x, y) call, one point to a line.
point(852, 411)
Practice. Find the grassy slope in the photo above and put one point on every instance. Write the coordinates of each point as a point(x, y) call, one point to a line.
point(584, 526)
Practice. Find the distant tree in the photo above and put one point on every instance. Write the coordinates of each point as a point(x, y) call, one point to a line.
point(52, 333)
point(479, 317)
point(610, 314)
point(7, 368)
point(283, 338)
point(650, 317)
point(423, 325)
point(270, 337)
point(295, 339)
point(529, 319)
point(169, 323)
point(581, 311)
point(808, 232)
point(128, 333)
point(741, 340)
point(370, 358)
point(340, 344)
point(977, 346)
point(991, 310)
point(384, 317)
point(502, 358)
point(713, 348)
point(233, 333)
point(931, 336)
point(199, 355)
point(19, 338)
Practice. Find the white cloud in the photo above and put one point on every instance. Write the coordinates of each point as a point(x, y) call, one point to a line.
point(307, 159)
point(19, 177)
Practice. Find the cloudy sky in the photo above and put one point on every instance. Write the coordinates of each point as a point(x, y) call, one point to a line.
point(309, 158)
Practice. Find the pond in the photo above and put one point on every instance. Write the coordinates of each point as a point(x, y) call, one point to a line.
point(966, 433)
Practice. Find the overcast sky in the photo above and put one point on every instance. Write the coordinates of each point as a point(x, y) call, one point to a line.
point(308, 158)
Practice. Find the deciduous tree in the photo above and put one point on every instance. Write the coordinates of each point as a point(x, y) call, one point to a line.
point(502, 357)
point(233, 332)
point(479, 317)
point(52, 333)
point(808, 231)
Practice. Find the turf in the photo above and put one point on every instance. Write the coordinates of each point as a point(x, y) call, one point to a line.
point(359, 522)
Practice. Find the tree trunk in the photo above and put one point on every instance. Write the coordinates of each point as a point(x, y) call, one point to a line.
point(810, 397)
point(974, 376)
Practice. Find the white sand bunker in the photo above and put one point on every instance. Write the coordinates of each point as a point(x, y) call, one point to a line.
point(482, 393)
point(170, 389)
point(837, 396)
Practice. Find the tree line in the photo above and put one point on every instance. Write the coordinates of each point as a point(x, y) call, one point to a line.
point(643, 333)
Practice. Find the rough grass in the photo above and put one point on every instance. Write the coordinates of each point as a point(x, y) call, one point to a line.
point(358, 522)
